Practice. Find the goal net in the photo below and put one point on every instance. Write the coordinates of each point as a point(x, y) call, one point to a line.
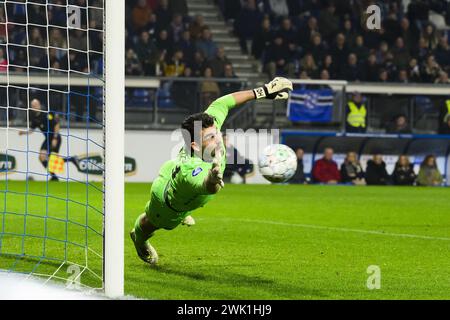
point(58, 165)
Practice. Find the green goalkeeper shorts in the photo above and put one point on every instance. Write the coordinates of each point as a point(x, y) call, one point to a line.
point(158, 212)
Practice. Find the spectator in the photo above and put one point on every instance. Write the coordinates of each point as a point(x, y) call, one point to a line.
point(247, 24)
point(308, 31)
point(349, 33)
point(381, 53)
point(196, 27)
point(198, 65)
point(163, 43)
point(308, 65)
point(164, 14)
point(140, 15)
point(403, 76)
point(228, 87)
point(326, 170)
point(383, 75)
point(262, 38)
point(56, 39)
point(429, 174)
point(401, 54)
point(443, 78)
point(304, 75)
point(218, 62)
point(392, 27)
point(205, 44)
point(422, 50)
point(132, 65)
point(176, 28)
point(288, 33)
point(328, 22)
point(430, 36)
point(372, 69)
point(209, 90)
point(174, 66)
point(362, 52)
point(324, 75)
point(340, 53)
point(352, 71)
point(299, 176)
point(376, 173)
point(152, 26)
point(351, 170)
point(278, 59)
point(407, 35)
point(431, 69)
point(329, 65)
point(316, 47)
point(414, 71)
point(356, 114)
point(442, 52)
point(147, 53)
point(187, 46)
point(403, 174)
point(399, 125)
point(279, 8)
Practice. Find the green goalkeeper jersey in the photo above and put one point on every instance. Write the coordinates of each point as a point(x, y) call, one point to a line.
point(183, 176)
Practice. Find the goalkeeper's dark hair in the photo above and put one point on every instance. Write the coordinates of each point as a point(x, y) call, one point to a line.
point(188, 126)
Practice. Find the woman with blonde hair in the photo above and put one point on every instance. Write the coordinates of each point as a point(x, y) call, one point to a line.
point(429, 174)
point(403, 174)
point(308, 64)
point(351, 170)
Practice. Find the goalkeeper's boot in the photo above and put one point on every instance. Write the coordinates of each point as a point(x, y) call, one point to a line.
point(145, 251)
point(188, 221)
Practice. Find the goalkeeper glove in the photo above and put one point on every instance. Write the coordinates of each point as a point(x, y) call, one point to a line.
point(276, 89)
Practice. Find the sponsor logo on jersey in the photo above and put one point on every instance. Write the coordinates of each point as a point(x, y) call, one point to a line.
point(7, 163)
point(196, 171)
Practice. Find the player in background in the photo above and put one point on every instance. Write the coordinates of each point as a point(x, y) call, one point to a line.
point(48, 124)
point(191, 179)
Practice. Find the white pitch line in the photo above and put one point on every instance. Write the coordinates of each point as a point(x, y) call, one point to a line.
point(312, 226)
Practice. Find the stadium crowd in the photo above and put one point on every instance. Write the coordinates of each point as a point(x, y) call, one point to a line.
point(325, 39)
point(326, 171)
point(163, 40)
point(319, 39)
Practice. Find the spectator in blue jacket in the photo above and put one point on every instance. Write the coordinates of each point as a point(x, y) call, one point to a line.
point(206, 45)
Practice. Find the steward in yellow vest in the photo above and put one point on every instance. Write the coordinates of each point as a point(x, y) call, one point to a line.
point(445, 118)
point(356, 121)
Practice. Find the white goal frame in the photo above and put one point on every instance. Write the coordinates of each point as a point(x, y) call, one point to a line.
point(114, 133)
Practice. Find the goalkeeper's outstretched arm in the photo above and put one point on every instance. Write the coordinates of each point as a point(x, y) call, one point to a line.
point(277, 89)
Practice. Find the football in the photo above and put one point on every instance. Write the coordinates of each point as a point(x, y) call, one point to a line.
point(277, 163)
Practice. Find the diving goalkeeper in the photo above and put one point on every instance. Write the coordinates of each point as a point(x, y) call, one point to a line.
point(191, 179)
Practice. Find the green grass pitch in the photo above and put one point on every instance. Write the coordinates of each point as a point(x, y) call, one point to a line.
point(262, 242)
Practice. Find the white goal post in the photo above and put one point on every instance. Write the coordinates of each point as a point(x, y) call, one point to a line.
point(62, 74)
point(114, 176)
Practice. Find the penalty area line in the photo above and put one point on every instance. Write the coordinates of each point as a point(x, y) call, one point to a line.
point(339, 229)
